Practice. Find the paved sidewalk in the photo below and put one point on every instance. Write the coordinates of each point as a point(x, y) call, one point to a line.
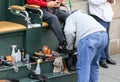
point(111, 74)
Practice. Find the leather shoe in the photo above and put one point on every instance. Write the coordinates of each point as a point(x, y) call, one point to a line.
point(110, 61)
point(62, 47)
point(103, 64)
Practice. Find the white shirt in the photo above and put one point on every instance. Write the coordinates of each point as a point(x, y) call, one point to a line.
point(78, 25)
point(101, 9)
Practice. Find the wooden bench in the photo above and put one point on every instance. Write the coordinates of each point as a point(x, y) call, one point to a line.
point(7, 27)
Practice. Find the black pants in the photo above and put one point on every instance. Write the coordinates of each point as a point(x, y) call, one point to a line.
point(54, 19)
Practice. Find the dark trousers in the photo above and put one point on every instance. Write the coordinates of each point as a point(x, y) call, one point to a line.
point(54, 19)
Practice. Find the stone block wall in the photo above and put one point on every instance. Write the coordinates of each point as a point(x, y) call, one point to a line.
point(115, 30)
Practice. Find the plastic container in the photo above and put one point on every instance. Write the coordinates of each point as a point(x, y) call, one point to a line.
point(38, 68)
point(19, 55)
point(27, 58)
point(14, 54)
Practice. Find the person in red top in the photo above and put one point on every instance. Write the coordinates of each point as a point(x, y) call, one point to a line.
point(52, 15)
point(44, 3)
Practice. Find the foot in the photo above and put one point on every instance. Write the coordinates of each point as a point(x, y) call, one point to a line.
point(110, 61)
point(103, 64)
point(62, 47)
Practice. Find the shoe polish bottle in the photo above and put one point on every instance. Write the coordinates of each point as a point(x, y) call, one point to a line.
point(38, 68)
point(22, 55)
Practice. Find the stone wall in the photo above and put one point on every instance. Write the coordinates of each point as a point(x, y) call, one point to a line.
point(114, 47)
point(115, 30)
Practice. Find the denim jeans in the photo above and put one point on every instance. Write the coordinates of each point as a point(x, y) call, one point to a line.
point(89, 53)
point(105, 55)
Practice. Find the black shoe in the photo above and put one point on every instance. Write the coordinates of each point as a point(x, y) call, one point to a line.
point(62, 47)
point(110, 61)
point(41, 78)
point(63, 44)
point(103, 64)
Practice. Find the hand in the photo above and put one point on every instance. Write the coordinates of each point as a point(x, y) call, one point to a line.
point(57, 4)
point(111, 1)
point(51, 4)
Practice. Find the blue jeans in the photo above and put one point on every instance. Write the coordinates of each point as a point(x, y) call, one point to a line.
point(105, 55)
point(89, 52)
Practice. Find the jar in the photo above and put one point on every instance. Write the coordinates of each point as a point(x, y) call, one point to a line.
point(45, 49)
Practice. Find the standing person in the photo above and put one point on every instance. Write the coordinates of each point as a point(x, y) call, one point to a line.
point(52, 15)
point(90, 38)
point(102, 11)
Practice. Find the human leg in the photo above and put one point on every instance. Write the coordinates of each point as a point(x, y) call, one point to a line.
point(106, 25)
point(87, 49)
point(62, 15)
point(83, 62)
point(102, 42)
point(55, 26)
point(106, 50)
point(105, 58)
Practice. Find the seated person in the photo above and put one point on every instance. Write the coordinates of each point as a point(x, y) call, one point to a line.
point(52, 15)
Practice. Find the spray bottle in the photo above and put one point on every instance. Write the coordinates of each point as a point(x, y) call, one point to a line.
point(13, 54)
point(38, 68)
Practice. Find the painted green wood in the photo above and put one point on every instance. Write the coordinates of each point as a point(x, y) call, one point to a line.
point(2, 10)
point(4, 4)
point(46, 69)
point(11, 17)
point(72, 77)
point(37, 37)
point(8, 39)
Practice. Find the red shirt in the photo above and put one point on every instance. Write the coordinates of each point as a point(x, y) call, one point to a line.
point(41, 3)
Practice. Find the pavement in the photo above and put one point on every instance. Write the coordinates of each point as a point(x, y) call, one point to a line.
point(111, 74)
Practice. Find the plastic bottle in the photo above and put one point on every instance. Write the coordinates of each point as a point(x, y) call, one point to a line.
point(27, 58)
point(13, 54)
point(23, 54)
point(13, 49)
point(18, 55)
point(38, 68)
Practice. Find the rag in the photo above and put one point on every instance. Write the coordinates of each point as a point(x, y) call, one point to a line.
point(58, 65)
